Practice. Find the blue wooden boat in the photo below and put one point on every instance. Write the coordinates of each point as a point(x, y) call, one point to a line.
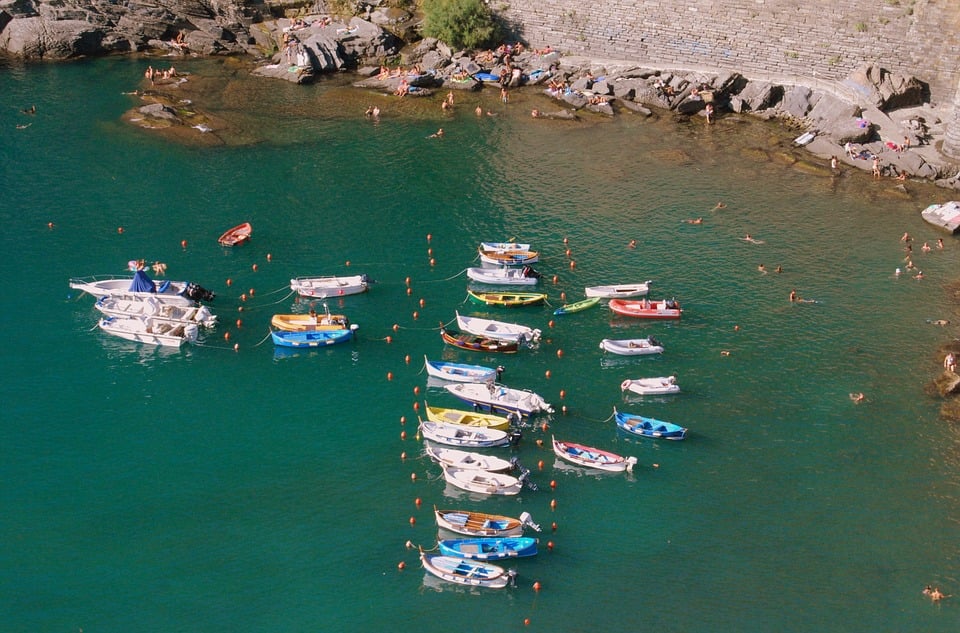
point(649, 427)
point(460, 372)
point(489, 548)
point(312, 338)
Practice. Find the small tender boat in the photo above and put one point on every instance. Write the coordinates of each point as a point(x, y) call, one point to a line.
point(507, 299)
point(490, 548)
point(156, 309)
point(237, 235)
point(149, 330)
point(577, 306)
point(592, 457)
point(140, 286)
point(482, 481)
point(310, 322)
point(509, 257)
point(323, 287)
point(467, 460)
point(620, 291)
point(497, 329)
point(466, 572)
point(460, 372)
point(651, 386)
point(805, 139)
point(459, 435)
point(504, 246)
point(314, 338)
point(632, 346)
point(474, 343)
point(646, 309)
point(945, 216)
point(497, 397)
point(503, 276)
point(649, 427)
point(482, 524)
point(467, 418)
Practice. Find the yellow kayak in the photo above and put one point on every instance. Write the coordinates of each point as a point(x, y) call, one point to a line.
point(467, 418)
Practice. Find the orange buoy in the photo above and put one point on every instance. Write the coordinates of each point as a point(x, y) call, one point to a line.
point(540, 465)
point(252, 292)
point(553, 484)
point(413, 477)
point(417, 502)
point(50, 225)
point(416, 406)
point(239, 308)
point(403, 435)
point(409, 291)
point(239, 323)
point(422, 303)
point(536, 586)
point(429, 237)
point(403, 420)
point(416, 315)
point(226, 336)
point(432, 261)
point(229, 282)
point(553, 504)
point(389, 339)
point(563, 409)
point(401, 565)
point(183, 244)
point(547, 374)
point(243, 297)
point(406, 359)
point(269, 257)
point(119, 229)
point(395, 327)
point(553, 526)
point(555, 278)
point(559, 353)
point(736, 328)
point(526, 622)
point(407, 281)
point(544, 427)
point(430, 252)
point(389, 375)
point(568, 252)
point(550, 323)
point(563, 394)
point(566, 240)
point(573, 264)
point(416, 390)
point(413, 520)
point(254, 267)
point(550, 545)
point(403, 455)
point(563, 295)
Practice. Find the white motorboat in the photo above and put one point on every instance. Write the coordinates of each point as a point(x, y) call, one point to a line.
point(483, 482)
point(156, 309)
point(140, 286)
point(150, 331)
point(524, 276)
point(619, 291)
point(460, 435)
point(651, 386)
point(467, 460)
point(323, 287)
point(492, 396)
point(632, 346)
point(500, 330)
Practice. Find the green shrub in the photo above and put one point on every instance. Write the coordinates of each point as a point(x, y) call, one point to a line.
point(460, 23)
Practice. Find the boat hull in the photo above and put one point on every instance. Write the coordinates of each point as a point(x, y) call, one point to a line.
point(496, 397)
point(499, 330)
point(461, 436)
point(578, 306)
point(157, 310)
point(590, 457)
point(482, 482)
point(651, 386)
point(474, 343)
point(497, 548)
point(649, 427)
point(467, 460)
point(647, 309)
point(621, 291)
point(481, 524)
point(443, 415)
point(309, 323)
point(459, 372)
point(463, 572)
point(149, 331)
point(323, 287)
point(631, 347)
point(504, 276)
point(318, 338)
point(507, 300)
point(237, 235)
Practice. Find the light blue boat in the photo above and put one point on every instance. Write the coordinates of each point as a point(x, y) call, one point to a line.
point(649, 427)
point(313, 338)
point(460, 372)
point(494, 548)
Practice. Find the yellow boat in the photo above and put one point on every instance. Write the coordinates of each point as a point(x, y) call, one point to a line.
point(309, 322)
point(507, 299)
point(467, 418)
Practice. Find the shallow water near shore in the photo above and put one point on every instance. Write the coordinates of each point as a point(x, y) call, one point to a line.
point(254, 490)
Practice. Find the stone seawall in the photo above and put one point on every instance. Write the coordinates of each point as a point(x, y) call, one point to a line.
point(825, 39)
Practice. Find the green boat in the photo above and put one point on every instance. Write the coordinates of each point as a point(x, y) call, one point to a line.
point(578, 306)
point(507, 299)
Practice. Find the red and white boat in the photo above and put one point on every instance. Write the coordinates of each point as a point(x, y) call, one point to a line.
point(592, 457)
point(237, 235)
point(646, 309)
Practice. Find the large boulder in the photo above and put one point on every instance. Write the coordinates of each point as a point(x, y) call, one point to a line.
point(887, 91)
point(798, 101)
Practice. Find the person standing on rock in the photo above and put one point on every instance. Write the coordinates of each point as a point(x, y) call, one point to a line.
point(876, 166)
point(950, 363)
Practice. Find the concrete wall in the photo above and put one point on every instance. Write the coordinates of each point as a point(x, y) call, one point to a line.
point(812, 39)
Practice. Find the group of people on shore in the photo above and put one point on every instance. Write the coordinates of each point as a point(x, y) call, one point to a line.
point(154, 74)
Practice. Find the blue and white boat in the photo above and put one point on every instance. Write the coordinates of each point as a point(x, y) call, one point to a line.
point(489, 548)
point(490, 396)
point(466, 572)
point(649, 427)
point(314, 338)
point(459, 372)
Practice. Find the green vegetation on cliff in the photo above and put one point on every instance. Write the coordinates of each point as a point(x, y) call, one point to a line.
point(460, 23)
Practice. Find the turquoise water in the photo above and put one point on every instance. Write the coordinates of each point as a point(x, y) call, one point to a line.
point(211, 488)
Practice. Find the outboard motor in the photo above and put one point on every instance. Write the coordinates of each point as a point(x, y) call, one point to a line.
point(530, 272)
point(515, 436)
point(500, 370)
point(527, 521)
point(198, 293)
point(524, 477)
point(653, 341)
point(512, 577)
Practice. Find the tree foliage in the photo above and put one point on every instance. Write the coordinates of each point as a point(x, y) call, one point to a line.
point(460, 23)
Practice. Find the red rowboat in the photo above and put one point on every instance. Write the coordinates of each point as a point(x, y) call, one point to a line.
point(644, 309)
point(237, 235)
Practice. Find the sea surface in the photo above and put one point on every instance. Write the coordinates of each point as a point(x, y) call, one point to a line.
point(230, 486)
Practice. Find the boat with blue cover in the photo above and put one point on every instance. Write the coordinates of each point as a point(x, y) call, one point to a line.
point(649, 427)
point(494, 548)
point(312, 338)
point(460, 372)
point(141, 286)
point(466, 572)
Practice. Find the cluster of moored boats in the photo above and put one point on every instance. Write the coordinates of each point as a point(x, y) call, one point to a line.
point(469, 541)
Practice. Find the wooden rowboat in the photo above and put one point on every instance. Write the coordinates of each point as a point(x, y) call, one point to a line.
point(474, 343)
point(323, 287)
point(463, 436)
point(482, 524)
point(592, 457)
point(498, 329)
point(237, 235)
point(509, 257)
point(317, 338)
point(646, 309)
point(507, 299)
point(466, 459)
point(465, 572)
point(309, 322)
point(460, 372)
point(504, 276)
point(482, 482)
